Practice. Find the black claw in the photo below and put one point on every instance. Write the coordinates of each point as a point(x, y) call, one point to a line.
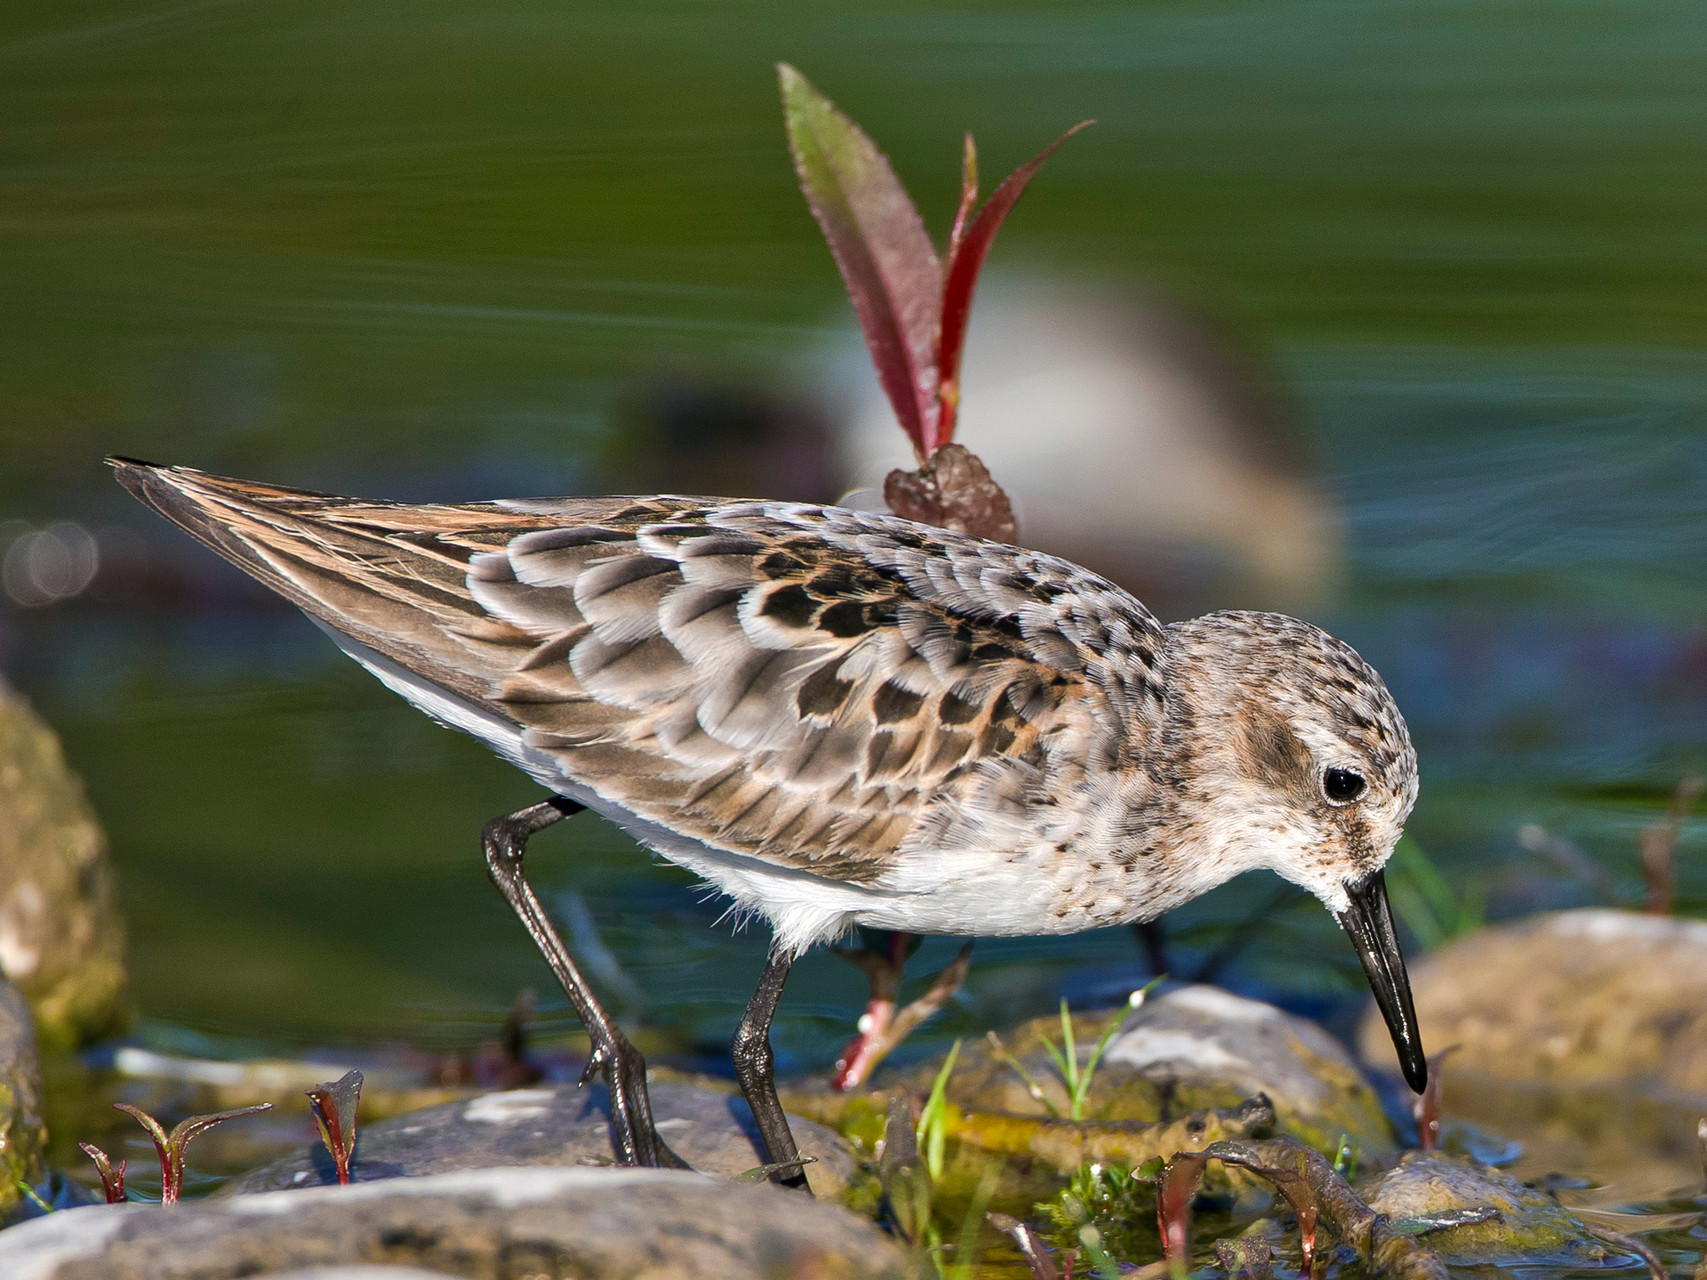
point(755, 1072)
point(634, 1138)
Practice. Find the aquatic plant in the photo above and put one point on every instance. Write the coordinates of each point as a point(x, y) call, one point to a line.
point(1102, 1211)
point(35, 1197)
point(170, 1146)
point(1077, 1079)
point(112, 1178)
point(1425, 1107)
point(911, 1167)
point(1316, 1194)
point(334, 1105)
point(1029, 1244)
point(912, 307)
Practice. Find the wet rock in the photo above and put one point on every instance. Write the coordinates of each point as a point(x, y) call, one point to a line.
point(713, 1132)
point(23, 1135)
point(1627, 1145)
point(1578, 997)
point(60, 936)
point(500, 1223)
point(1194, 1048)
point(1532, 1227)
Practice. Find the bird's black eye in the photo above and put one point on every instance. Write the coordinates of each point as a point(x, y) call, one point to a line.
point(1342, 786)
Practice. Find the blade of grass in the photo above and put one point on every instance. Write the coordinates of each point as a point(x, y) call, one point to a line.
point(932, 1132)
point(1031, 1085)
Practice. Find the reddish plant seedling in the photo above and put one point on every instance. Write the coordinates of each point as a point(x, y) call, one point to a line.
point(1030, 1246)
point(1300, 1197)
point(1174, 1192)
point(334, 1105)
point(1425, 1107)
point(112, 1179)
point(911, 307)
point(171, 1146)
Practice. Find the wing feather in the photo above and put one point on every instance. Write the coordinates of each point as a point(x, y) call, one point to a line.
point(814, 687)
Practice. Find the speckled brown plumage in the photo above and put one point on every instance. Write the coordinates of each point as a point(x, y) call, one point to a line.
point(844, 718)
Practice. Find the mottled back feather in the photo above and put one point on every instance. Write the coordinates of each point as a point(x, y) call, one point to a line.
point(809, 686)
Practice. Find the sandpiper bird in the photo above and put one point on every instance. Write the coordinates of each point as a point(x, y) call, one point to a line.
point(841, 719)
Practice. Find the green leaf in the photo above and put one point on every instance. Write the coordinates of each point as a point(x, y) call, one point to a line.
point(932, 1131)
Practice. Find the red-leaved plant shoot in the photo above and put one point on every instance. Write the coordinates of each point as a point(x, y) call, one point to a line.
point(911, 306)
point(334, 1105)
point(1174, 1192)
point(1425, 1106)
point(1300, 1197)
point(112, 1179)
point(1179, 1181)
point(170, 1146)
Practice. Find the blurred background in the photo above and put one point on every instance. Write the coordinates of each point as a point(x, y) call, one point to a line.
point(1391, 314)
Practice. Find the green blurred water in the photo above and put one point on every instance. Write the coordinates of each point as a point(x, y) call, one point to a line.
point(437, 249)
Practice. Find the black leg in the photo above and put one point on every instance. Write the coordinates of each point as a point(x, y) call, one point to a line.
point(632, 1134)
point(1154, 939)
point(755, 1072)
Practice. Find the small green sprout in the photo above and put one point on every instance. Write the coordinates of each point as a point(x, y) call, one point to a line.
point(933, 1128)
point(1345, 1158)
point(34, 1197)
point(1067, 1062)
point(1066, 1056)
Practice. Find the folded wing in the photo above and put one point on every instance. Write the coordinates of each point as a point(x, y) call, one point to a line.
point(806, 685)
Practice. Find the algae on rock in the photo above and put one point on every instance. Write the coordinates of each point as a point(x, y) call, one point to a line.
point(23, 1135)
point(61, 940)
point(1532, 1226)
point(1190, 1049)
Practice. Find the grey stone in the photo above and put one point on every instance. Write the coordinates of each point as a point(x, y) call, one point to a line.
point(1532, 1227)
point(1187, 1049)
point(1575, 998)
point(713, 1132)
point(60, 936)
point(497, 1224)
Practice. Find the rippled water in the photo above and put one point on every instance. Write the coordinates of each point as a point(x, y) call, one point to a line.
point(449, 250)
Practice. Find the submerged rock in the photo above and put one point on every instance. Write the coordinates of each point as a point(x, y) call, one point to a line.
point(1583, 997)
point(23, 1135)
point(60, 936)
point(506, 1223)
point(1532, 1228)
point(1194, 1048)
point(713, 1132)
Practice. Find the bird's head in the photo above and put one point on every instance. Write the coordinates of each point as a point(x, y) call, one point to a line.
point(1294, 757)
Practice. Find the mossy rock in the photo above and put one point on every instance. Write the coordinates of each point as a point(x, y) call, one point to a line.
point(1532, 1227)
point(61, 941)
point(1190, 1049)
point(23, 1135)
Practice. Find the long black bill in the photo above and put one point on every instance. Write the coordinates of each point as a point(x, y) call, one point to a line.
point(1369, 921)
